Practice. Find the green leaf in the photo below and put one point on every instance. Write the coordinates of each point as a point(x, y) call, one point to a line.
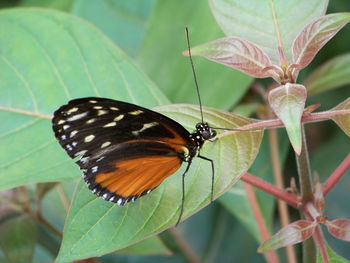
point(49, 57)
point(332, 74)
point(147, 247)
point(96, 227)
point(332, 256)
point(343, 121)
point(256, 21)
point(160, 56)
point(63, 5)
point(288, 102)
point(124, 22)
point(246, 109)
point(17, 238)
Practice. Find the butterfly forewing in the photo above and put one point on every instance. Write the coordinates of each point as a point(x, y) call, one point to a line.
point(125, 150)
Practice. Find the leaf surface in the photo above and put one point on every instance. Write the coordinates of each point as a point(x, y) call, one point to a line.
point(48, 58)
point(289, 235)
point(331, 75)
point(343, 121)
point(237, 53)
point(288, 102)
point(261, 22)
point(314, 36)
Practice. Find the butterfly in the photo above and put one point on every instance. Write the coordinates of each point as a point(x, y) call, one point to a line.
point(124, 150)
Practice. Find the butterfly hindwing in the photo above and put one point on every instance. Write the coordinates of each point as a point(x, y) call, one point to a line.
point(125, 150)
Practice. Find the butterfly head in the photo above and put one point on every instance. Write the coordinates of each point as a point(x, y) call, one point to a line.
point(203, 132)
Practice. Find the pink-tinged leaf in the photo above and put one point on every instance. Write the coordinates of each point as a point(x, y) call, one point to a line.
point(236, 53)
point(266, 22)
point(340, 228)
point(291, 234)
point(343, 121)
point(314, 36)
point(288, 102)
point(318, 197)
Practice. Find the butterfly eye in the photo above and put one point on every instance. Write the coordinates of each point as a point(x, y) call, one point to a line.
point(206, 134)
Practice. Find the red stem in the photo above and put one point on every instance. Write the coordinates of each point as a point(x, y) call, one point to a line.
point(271, 189)
point(277, 123)
point(318, 237)
point(335, 177)
point(270, 255)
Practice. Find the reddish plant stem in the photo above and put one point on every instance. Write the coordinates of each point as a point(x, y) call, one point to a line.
point(319, 240)
point(271, 189)
point(277, 123)
point(335, 177)
point(270, 255)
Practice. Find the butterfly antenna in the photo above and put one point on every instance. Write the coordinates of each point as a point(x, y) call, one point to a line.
point(194, 73)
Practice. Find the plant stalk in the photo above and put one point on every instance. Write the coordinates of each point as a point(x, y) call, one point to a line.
point(305, 179)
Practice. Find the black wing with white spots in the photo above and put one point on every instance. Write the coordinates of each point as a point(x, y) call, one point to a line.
point(125, 150)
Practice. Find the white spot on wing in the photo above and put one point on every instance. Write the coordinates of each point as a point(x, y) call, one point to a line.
point(63, 137)
point(80, 153)
point(69, 112)
point(97, 107)
point(61, 121)
point(74, 144)
point(77, 117)
point(113, 108)
point(84, 160)
point(100, 159)
point(105, 144)
point(73, 133)
point(65, 127)
point(111, 124)
point(101, 112)
point(92, 101)
point(68, 147)
point(136, 112)
point(105, 196)
point(90, 121)
point(120, 201)
point(89, 138)
point(94, 169)
point(119, 117)
point(112, 198)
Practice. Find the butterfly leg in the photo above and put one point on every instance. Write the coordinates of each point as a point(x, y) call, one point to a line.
point(212, 174)
point(183, 192)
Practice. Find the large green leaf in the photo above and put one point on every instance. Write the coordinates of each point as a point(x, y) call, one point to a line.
point(63, 5)
point(47, 58)
point(97, 227)
point(125, 22)
point(263, 22)
point(161, 57)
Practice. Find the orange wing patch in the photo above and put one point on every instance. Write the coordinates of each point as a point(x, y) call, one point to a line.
point(135, 176)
